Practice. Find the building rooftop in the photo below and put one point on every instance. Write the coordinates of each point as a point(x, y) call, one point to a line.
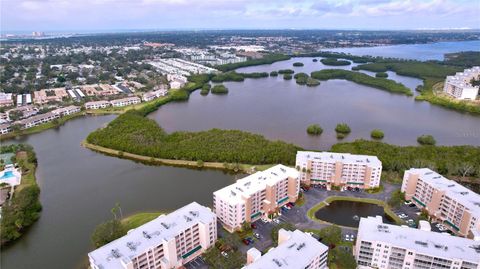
point(151, 234)
point(340, 157)
point(255, 182)
point(296, 252)
point(467, 197)
point(429, 243)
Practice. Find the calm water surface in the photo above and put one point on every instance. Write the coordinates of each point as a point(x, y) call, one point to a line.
point(423, 52)
point(348, 213)
point(79, 187)
point(282, 110)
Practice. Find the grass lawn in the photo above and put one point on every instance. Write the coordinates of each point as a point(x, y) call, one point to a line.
point(134, 221)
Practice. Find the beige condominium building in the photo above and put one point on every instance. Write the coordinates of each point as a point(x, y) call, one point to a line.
point(445, 200)
point(168, 241)
point(295, 250)
point(339, 169)
point(382, 245)
point(460, 86)
point(255, 196)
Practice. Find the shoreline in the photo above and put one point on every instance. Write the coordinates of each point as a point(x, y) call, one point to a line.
point(242, 168)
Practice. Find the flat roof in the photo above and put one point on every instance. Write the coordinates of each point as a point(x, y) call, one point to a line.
point(297, 252)
point(467, 197)
point(340, 157)
point(255, 182)
point(425, 242)
point(151, 234)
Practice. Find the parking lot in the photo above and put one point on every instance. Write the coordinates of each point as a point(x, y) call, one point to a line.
point(197, 263)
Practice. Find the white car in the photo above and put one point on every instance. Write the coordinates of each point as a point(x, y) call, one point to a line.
point(224, 254)
point(277, 221)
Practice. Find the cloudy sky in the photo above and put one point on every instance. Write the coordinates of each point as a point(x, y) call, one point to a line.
point(97, 15)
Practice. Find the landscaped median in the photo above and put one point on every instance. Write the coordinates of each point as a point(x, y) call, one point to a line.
point(245, 168)
point(311, 212)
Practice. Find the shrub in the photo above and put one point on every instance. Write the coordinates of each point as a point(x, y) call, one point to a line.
point(286, 71)
point(426, 140)
point(300, 75)
point(273, 73)
point(311, 82)
point(342, 128)
point(205, 89)
point(381, 75)
point(287, 77)
point(297, 64)
point(334, 62)
point(377, 134)
point(314, 129)
point(219, 89)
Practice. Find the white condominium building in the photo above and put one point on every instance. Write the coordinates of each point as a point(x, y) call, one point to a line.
point(339, 169)
point(255, 196)
point(166, 242)
point(382, 245)
point(460, 86)
point(125, 101)
point(445, 200)
point(97, 104)
point(296, 250)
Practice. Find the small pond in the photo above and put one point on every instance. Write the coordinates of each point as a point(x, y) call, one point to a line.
point(348, 213)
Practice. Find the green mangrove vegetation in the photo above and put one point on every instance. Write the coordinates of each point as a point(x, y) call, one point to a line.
point(273, 73)
point(205, 89)
point(377, 134)
point(287, 77)
point(219, 89)
point(134, 133)
point(266, 59)
point(334, 62)
point(298, 64)
point(426, 140)
point(447, 160)
point(23, 210)
point(433, 73)
point(381, 75)
point(314, 129)
point(234, 76)
point(286, 71)
point(360, 78)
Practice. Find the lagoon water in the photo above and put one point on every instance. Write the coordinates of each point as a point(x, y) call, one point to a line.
point(422, 52)
point(79, 186)
point(282, 110)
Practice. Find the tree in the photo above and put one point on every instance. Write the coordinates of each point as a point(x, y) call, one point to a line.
point(397, 198)
point(331, 235)
point(343, 258)
point(342, 128)
point(314, 129)
point(377, 134)
point(426, 140)
point(107, 232)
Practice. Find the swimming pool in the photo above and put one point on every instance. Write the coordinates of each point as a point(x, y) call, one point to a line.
point(7, 174)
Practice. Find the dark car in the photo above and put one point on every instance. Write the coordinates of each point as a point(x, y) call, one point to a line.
point(253, 225)
point(246, 242)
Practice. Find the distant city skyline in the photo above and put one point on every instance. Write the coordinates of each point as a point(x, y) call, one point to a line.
point(124, 15)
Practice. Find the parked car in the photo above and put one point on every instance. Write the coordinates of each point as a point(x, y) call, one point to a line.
point(277, 221)
point(257, 235)
point(224, 254)
point(246, 242)
point(291, 204)
point(407, 202)
point(411, 205)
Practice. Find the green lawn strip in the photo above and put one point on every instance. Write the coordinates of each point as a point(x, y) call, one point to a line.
point(136, 220)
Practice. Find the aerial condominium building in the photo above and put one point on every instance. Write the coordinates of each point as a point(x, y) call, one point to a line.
point(296, 250)
point(168, 241)
point(339, 169)
point(382, 245)
point(256, 195)
point(460, 86)
point(445, 200)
